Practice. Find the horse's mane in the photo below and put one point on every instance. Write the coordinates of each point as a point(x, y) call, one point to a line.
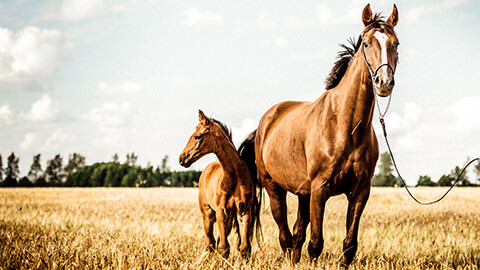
point(226, 130)
point(346, 55)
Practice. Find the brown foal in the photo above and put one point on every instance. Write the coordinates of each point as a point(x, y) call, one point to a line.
point(328, 147)
point(226, 189)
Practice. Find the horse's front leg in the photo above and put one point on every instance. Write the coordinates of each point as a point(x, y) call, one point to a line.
point(356, 204)
point(319, 196)
point(300, 227)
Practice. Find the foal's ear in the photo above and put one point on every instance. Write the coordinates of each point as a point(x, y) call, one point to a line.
point(393, 19)
point(366, 15)
point(203, 119)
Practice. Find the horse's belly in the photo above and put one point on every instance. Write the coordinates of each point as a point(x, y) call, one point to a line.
point(285, 163)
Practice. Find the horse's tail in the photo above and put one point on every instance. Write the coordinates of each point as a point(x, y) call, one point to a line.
point(247, 153)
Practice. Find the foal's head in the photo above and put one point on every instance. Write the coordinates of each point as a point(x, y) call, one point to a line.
point(379, 48)
point(208, 133)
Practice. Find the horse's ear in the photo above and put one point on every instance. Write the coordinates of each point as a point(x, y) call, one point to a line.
point(393, 19)
point(203, 119)
point(366, 15)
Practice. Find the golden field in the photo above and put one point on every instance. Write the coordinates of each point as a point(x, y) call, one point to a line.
point(160, 228)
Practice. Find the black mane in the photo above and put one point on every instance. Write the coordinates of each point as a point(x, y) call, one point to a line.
point(226, 130)
point(349, 51)
point(341, 65)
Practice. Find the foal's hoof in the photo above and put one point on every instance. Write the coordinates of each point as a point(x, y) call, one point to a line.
point(224, 252)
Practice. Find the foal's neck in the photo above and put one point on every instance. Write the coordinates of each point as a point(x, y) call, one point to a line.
point(229, 158)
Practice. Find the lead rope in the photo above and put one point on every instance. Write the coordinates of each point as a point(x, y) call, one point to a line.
point(381, 117)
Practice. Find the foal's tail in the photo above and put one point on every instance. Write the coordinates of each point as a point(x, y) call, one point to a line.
point(247, 153)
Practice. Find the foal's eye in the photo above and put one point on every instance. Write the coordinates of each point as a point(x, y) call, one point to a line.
point(365, 44)
point(198, 137)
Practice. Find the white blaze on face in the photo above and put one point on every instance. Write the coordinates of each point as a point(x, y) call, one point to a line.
point(382, 39)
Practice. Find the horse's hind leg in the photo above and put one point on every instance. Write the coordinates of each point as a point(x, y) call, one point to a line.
point(319, 196)
point(278, 206)
point(208, 221)
point(356, 204)
point(300, 227)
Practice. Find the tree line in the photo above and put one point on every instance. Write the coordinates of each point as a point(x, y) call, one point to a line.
point(75, 173)
point(385, 176)
point(127, 174)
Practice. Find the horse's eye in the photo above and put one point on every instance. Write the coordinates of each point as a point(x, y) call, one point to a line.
point(198, 137)
point(365, 44)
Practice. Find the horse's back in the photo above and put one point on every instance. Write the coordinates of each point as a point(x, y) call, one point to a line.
point(208, 183)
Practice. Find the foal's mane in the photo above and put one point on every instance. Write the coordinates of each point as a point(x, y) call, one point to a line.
point(227, 131)
point(346, 55)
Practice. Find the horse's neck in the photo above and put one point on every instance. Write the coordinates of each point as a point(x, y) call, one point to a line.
point(354, 96)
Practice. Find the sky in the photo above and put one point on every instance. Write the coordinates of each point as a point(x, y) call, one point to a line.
point(100, 77)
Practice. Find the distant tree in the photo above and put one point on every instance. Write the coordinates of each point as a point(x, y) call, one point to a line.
point(476, 169)
point(12, 171)
point(24, 182)
point(54, 174)
point(115, 158)
point(131, 159)
point(35, 169)
point(164, 167)
point(425, 180)
point(384, 177)
point(455, 174)
point(445, 180)
point(75, 162)
point(1, 170)
point(131, 178)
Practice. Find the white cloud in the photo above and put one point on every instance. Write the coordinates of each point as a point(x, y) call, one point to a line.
point(28, 141)
point(281, 43)
point(29, 55)
point(194, 16)
point(415, 13)
point(59, 138)
point(110, 114)
point(467, 114)
point(7, 115)
point(43, 109)
point(79, 9)
point(346, 15)
point(239, 133)
point(121, 88)
point(109, 139)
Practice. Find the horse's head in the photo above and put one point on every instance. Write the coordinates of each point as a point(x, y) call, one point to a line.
point(379, 49)
point(203, 141)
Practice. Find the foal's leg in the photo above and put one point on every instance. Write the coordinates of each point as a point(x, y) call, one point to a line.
point(356, 204)
point(208, 220)
point(300, 227)
point(278, 206)
point(319, 197)
point(245, 246)
point(224, 220)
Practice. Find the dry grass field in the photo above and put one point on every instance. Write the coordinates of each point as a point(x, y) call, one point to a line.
point(160, 228)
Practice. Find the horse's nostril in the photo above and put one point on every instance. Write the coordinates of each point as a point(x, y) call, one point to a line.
point(377, 80)
point(392, 82)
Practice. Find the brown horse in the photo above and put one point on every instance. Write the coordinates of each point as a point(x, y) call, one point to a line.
point(328, 147)
point(226, 189)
